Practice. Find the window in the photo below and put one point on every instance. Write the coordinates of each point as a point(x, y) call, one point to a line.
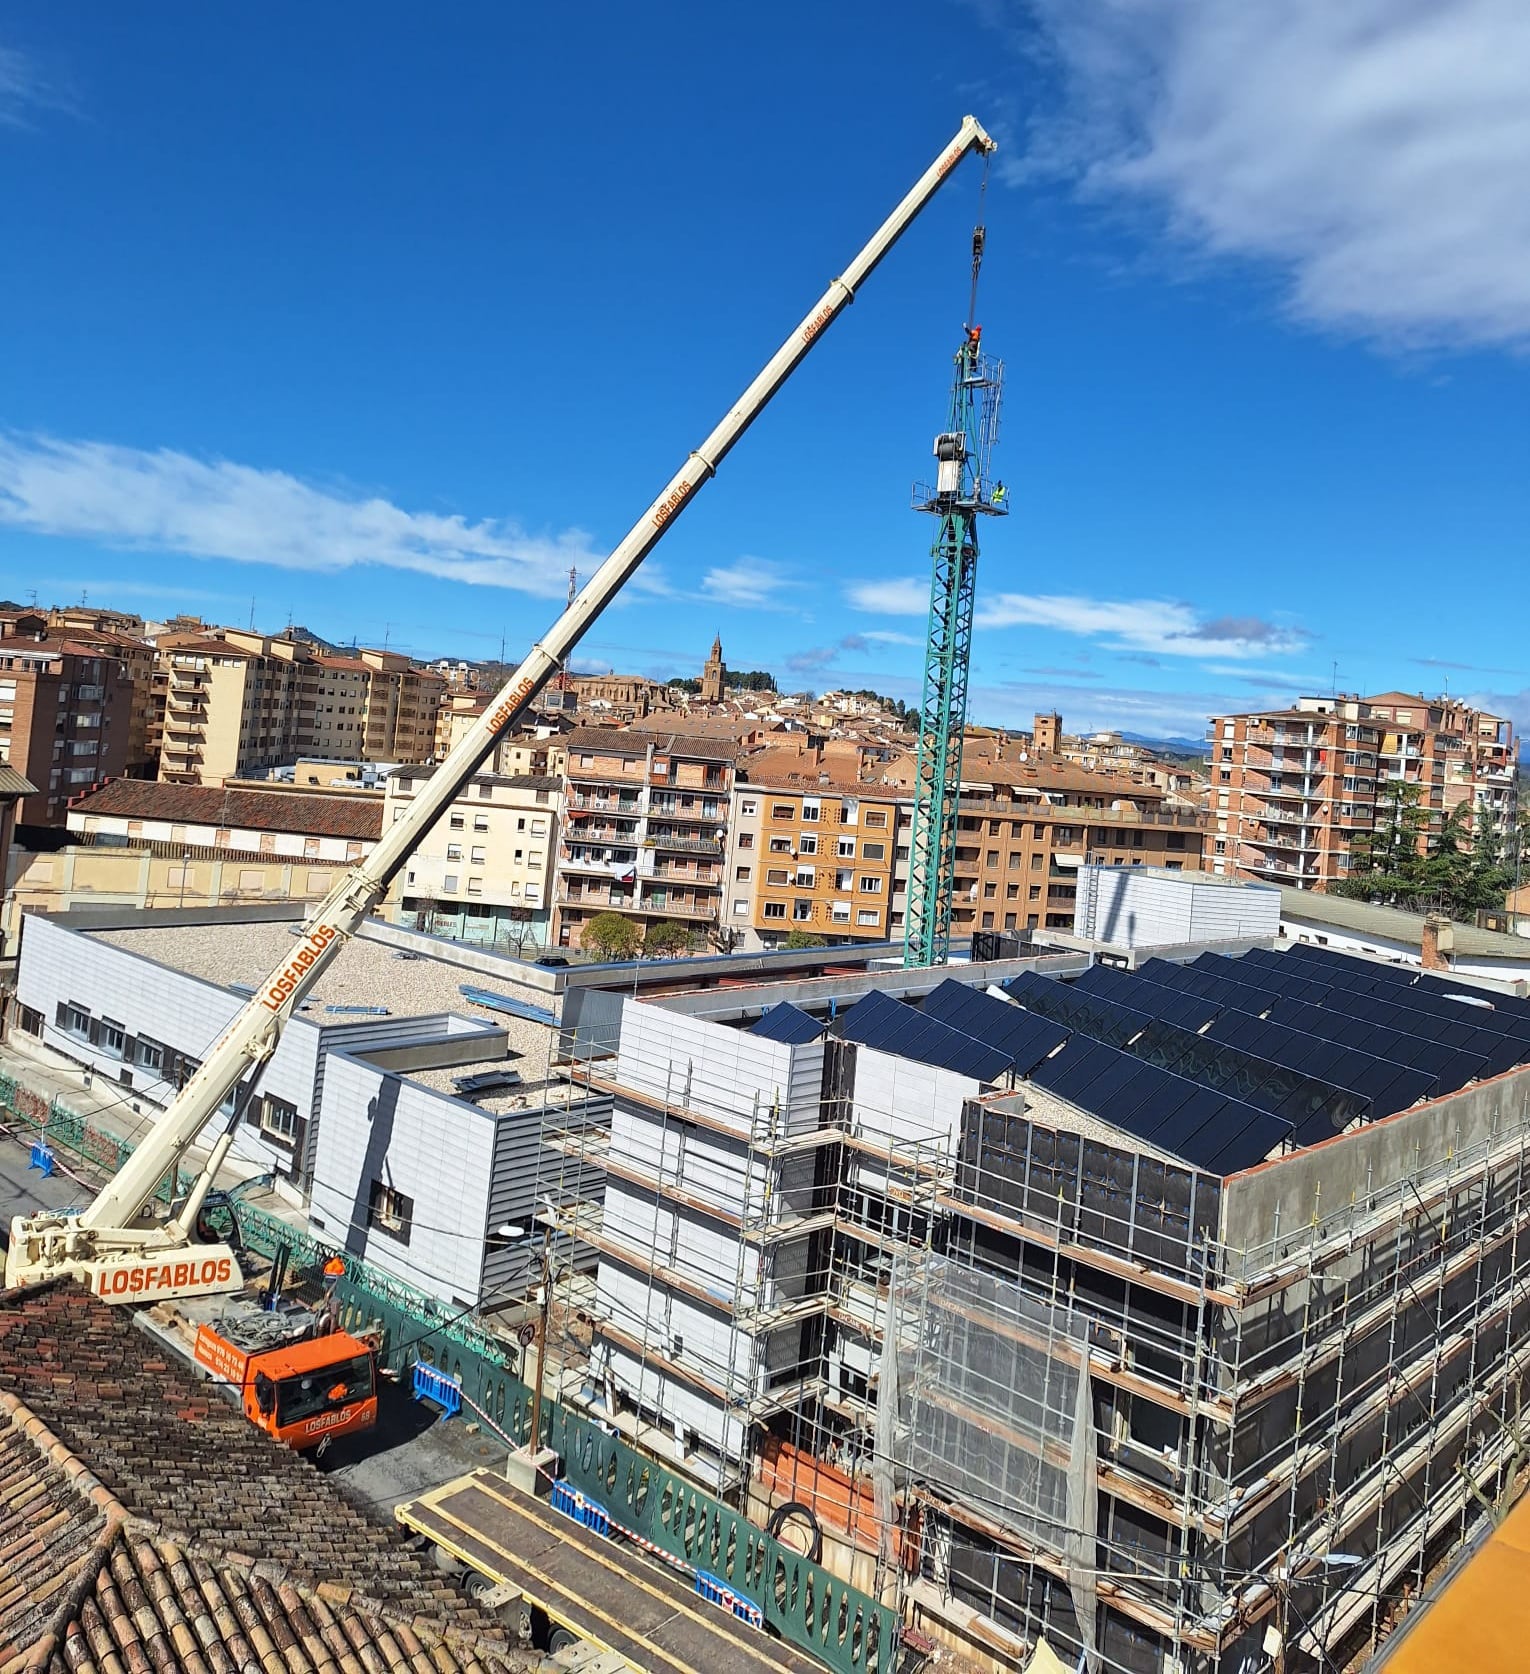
point(539, 828)
point(742, 874)
point(390, 1211)
point(1034, 893)
point(807, 843)
point(871, 885)
point(846, 848)
point(454, 851)
point(480, 822)
point(746, 839)
point(748, 806)
point(849, 811)
point(476, 854)
point(868, 915)
point(775, 909)
point(876, 819)
point(148, 1054)
point(781, 811)
point(1012, 892)
point(844, 880)
point(113, 1035)
point(810, 807)
point(475, 886)
point(805, 877)
point(279, 1120)
point(873, 851)
point(778, 876)
point(802, 912)
point(449, 883)
point(740, 909)
point(485, 792)
point(780, 845)
point(839, 912)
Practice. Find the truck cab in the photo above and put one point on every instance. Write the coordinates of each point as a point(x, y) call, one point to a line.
point(299, 1392)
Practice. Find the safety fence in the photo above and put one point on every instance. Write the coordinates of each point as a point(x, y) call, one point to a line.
point(669, 1516)
point(62, 1129)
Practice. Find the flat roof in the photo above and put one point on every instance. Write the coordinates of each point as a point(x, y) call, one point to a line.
point(362, 973)
point(1394, 924)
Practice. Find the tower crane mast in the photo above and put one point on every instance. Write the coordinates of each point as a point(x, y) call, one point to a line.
point(116, 1244)
point(963, 492)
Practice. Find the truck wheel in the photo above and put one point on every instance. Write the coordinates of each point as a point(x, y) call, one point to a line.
point(446, 1563)
point(561, 1639)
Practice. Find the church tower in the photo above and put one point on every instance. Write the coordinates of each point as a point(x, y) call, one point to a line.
point(714, 676)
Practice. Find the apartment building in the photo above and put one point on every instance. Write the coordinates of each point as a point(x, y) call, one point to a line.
point(1291, 789)
point(1452, 752)
point(534, 746)
point(646, 822)
point(232, 704)
point(484, 872)
point(1025, 826)
point(64, 712)
point(808, 852)
point(109, 634)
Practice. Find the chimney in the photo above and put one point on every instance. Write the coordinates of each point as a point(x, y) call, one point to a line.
point(1438, 941)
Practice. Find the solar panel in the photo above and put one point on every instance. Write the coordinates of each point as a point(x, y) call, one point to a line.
point(1021, 1035)
point(788, 1024)
point(889, 1025)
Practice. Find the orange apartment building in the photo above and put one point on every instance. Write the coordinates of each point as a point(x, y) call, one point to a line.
point(1291, 789)
point(645, 823)
point(809, 852)
point(1027, 822)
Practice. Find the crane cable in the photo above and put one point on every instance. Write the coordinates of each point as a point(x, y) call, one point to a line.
point(979, 236)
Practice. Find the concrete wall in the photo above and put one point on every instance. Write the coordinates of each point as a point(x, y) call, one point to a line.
point(1284, 1199)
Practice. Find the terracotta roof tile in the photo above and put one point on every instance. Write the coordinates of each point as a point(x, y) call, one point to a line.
point(627, 741)
point(321, 816)
point(157, 1531)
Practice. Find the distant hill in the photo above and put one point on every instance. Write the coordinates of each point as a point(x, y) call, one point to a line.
point(1171, 746)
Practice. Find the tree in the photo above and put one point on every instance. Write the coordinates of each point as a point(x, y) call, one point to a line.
point(611, 936)
point(425, 912)
point(517, 931)
point(1389, 863)
point(666, 940)
point(805, 938)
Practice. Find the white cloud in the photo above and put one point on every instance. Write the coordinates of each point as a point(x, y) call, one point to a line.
point(885, 636)
point(1154, 625)
point(750, 582)
point(24, 90)
point(900, 597)
point(166, 501)
point(1375, 151)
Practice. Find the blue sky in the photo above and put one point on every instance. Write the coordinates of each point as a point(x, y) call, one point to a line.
point(379, 322)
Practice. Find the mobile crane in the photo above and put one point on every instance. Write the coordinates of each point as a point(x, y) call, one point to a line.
point(117, 1245)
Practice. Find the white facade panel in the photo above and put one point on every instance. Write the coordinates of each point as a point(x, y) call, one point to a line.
point(1139, 906)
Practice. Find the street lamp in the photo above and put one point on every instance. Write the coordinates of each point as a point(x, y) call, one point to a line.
point(513, 1233)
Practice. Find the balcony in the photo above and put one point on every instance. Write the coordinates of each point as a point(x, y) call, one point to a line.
point(626, 806)
point(677, 843)
point(617, 836)
point(685, 808)
point(688, 874)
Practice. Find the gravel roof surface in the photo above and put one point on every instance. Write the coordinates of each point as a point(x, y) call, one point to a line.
point(363, 973)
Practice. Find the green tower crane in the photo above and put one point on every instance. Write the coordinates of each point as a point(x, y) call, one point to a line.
point(963, 492)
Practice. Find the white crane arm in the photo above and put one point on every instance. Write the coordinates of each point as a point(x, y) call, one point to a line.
point(252, 1036)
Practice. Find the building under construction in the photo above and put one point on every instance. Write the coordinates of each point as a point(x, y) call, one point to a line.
point(1174, 1316)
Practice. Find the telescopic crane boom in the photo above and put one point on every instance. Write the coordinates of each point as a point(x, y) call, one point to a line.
point(123, 1253)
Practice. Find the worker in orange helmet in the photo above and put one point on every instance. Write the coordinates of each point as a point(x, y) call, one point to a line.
point(334, 1268)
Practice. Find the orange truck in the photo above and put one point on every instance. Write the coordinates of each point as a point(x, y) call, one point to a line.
point(299, 1392)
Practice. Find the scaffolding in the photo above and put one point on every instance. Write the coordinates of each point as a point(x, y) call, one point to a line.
point(1025, 1364)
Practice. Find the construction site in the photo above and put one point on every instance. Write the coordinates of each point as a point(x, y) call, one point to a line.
point(1097, 1307)
point(1157, 1309)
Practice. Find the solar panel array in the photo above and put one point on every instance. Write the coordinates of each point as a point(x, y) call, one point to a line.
point(890, 1025)
point(788, 1024)
point(1219, 1062)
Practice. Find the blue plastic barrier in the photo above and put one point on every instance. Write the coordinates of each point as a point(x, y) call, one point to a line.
point(587, 1513)
point(42, 1158)
point(721, 1594)
point(432, 1384)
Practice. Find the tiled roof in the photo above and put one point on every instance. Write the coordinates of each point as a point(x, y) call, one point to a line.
point(249, 810)
point(629, 742)
point(145, 1524)
point(13, 783)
